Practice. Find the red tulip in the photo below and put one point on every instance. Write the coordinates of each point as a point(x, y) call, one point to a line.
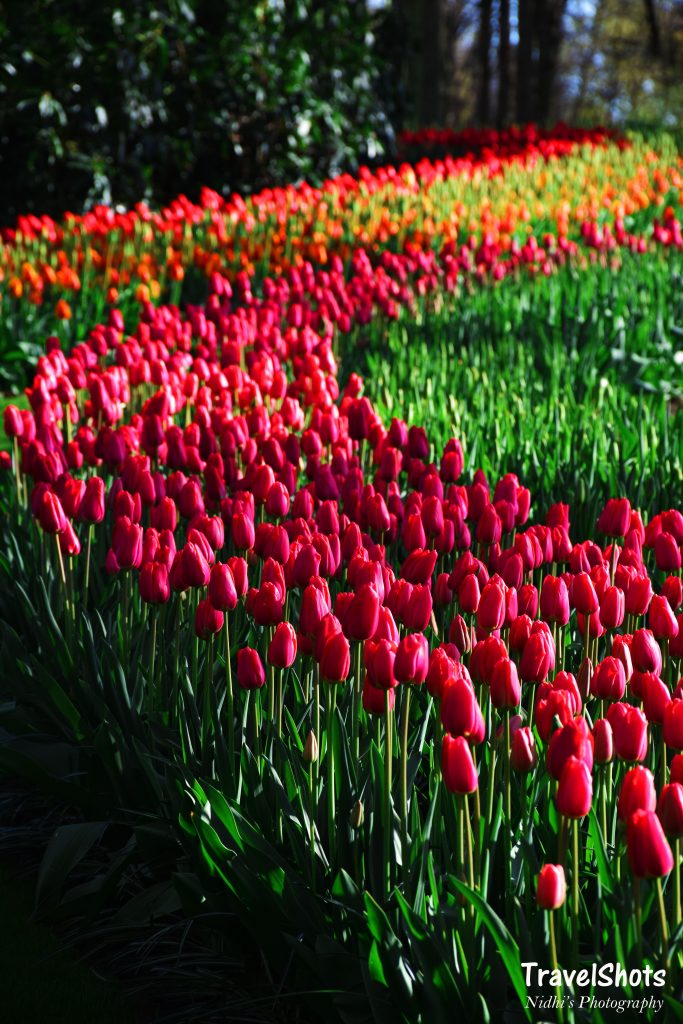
point(127, 543)
point(51, 514)
point(251, 674)
point(491, 609)
point(645, 652)
point(612, 607)
point(670, 809)
point(572, 740)
point(551, 887)
point(523, 755)
point(459, 772)
point(222, 590)
point(505, 689)
point(374, 700)
point(662, 619)
point(154, 583)
point(609, 679)
point(336, 659)
point(459, 706)
point(538, 658)
point(208, 620)
point(282, 647)
point(637, 793)
point(615, 518)
point(412, 659)
point(603, 741)
point(673, 724)
point(362, 615)
point(639, 595)
point(667, 553)
point(555, 600)
point(629, 727)
point(649, 853)
point(575, 789)
point(583, 594)
point(92, 507)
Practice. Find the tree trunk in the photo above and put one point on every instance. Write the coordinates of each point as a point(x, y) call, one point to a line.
point(432, 64)
point(484, 59)
point(653, 25)
point(549, 27)
point(524, 85)
point(503, 62)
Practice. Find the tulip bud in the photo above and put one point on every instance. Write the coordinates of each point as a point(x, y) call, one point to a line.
point(310, 747)
point(357, 816)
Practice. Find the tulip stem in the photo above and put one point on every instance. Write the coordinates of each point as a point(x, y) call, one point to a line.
point(470, 855)
point(639, 920)
point(508, 793)
point(575, 890)
point(311, 822)
point(603, 803)
point(404, 776)
point(206, 711)
point(677, 882)
point(17, 468)
point(587, 636)
point(271, 683)
point(229, 699)
point(152, 659)
point(663, 766)
point(388, 758)
point(87, 564)
point(280, 699)
point(553, 958)
point(61, 565)
point(664, 931)
point(331, 836)
point(357, 698)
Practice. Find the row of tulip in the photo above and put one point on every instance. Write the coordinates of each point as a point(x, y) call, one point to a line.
point(517, 199)
point(413, 693)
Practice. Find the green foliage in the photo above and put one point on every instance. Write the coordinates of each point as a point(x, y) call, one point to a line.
point(574, 382)
point(120, 102)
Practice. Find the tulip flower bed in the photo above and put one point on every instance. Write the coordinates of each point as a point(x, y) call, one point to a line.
point(513, 202)
point(395, 715)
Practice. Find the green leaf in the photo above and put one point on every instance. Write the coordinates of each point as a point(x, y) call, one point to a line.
point(505, 944)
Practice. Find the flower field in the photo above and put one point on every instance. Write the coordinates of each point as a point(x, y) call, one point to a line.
point(342, 533)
